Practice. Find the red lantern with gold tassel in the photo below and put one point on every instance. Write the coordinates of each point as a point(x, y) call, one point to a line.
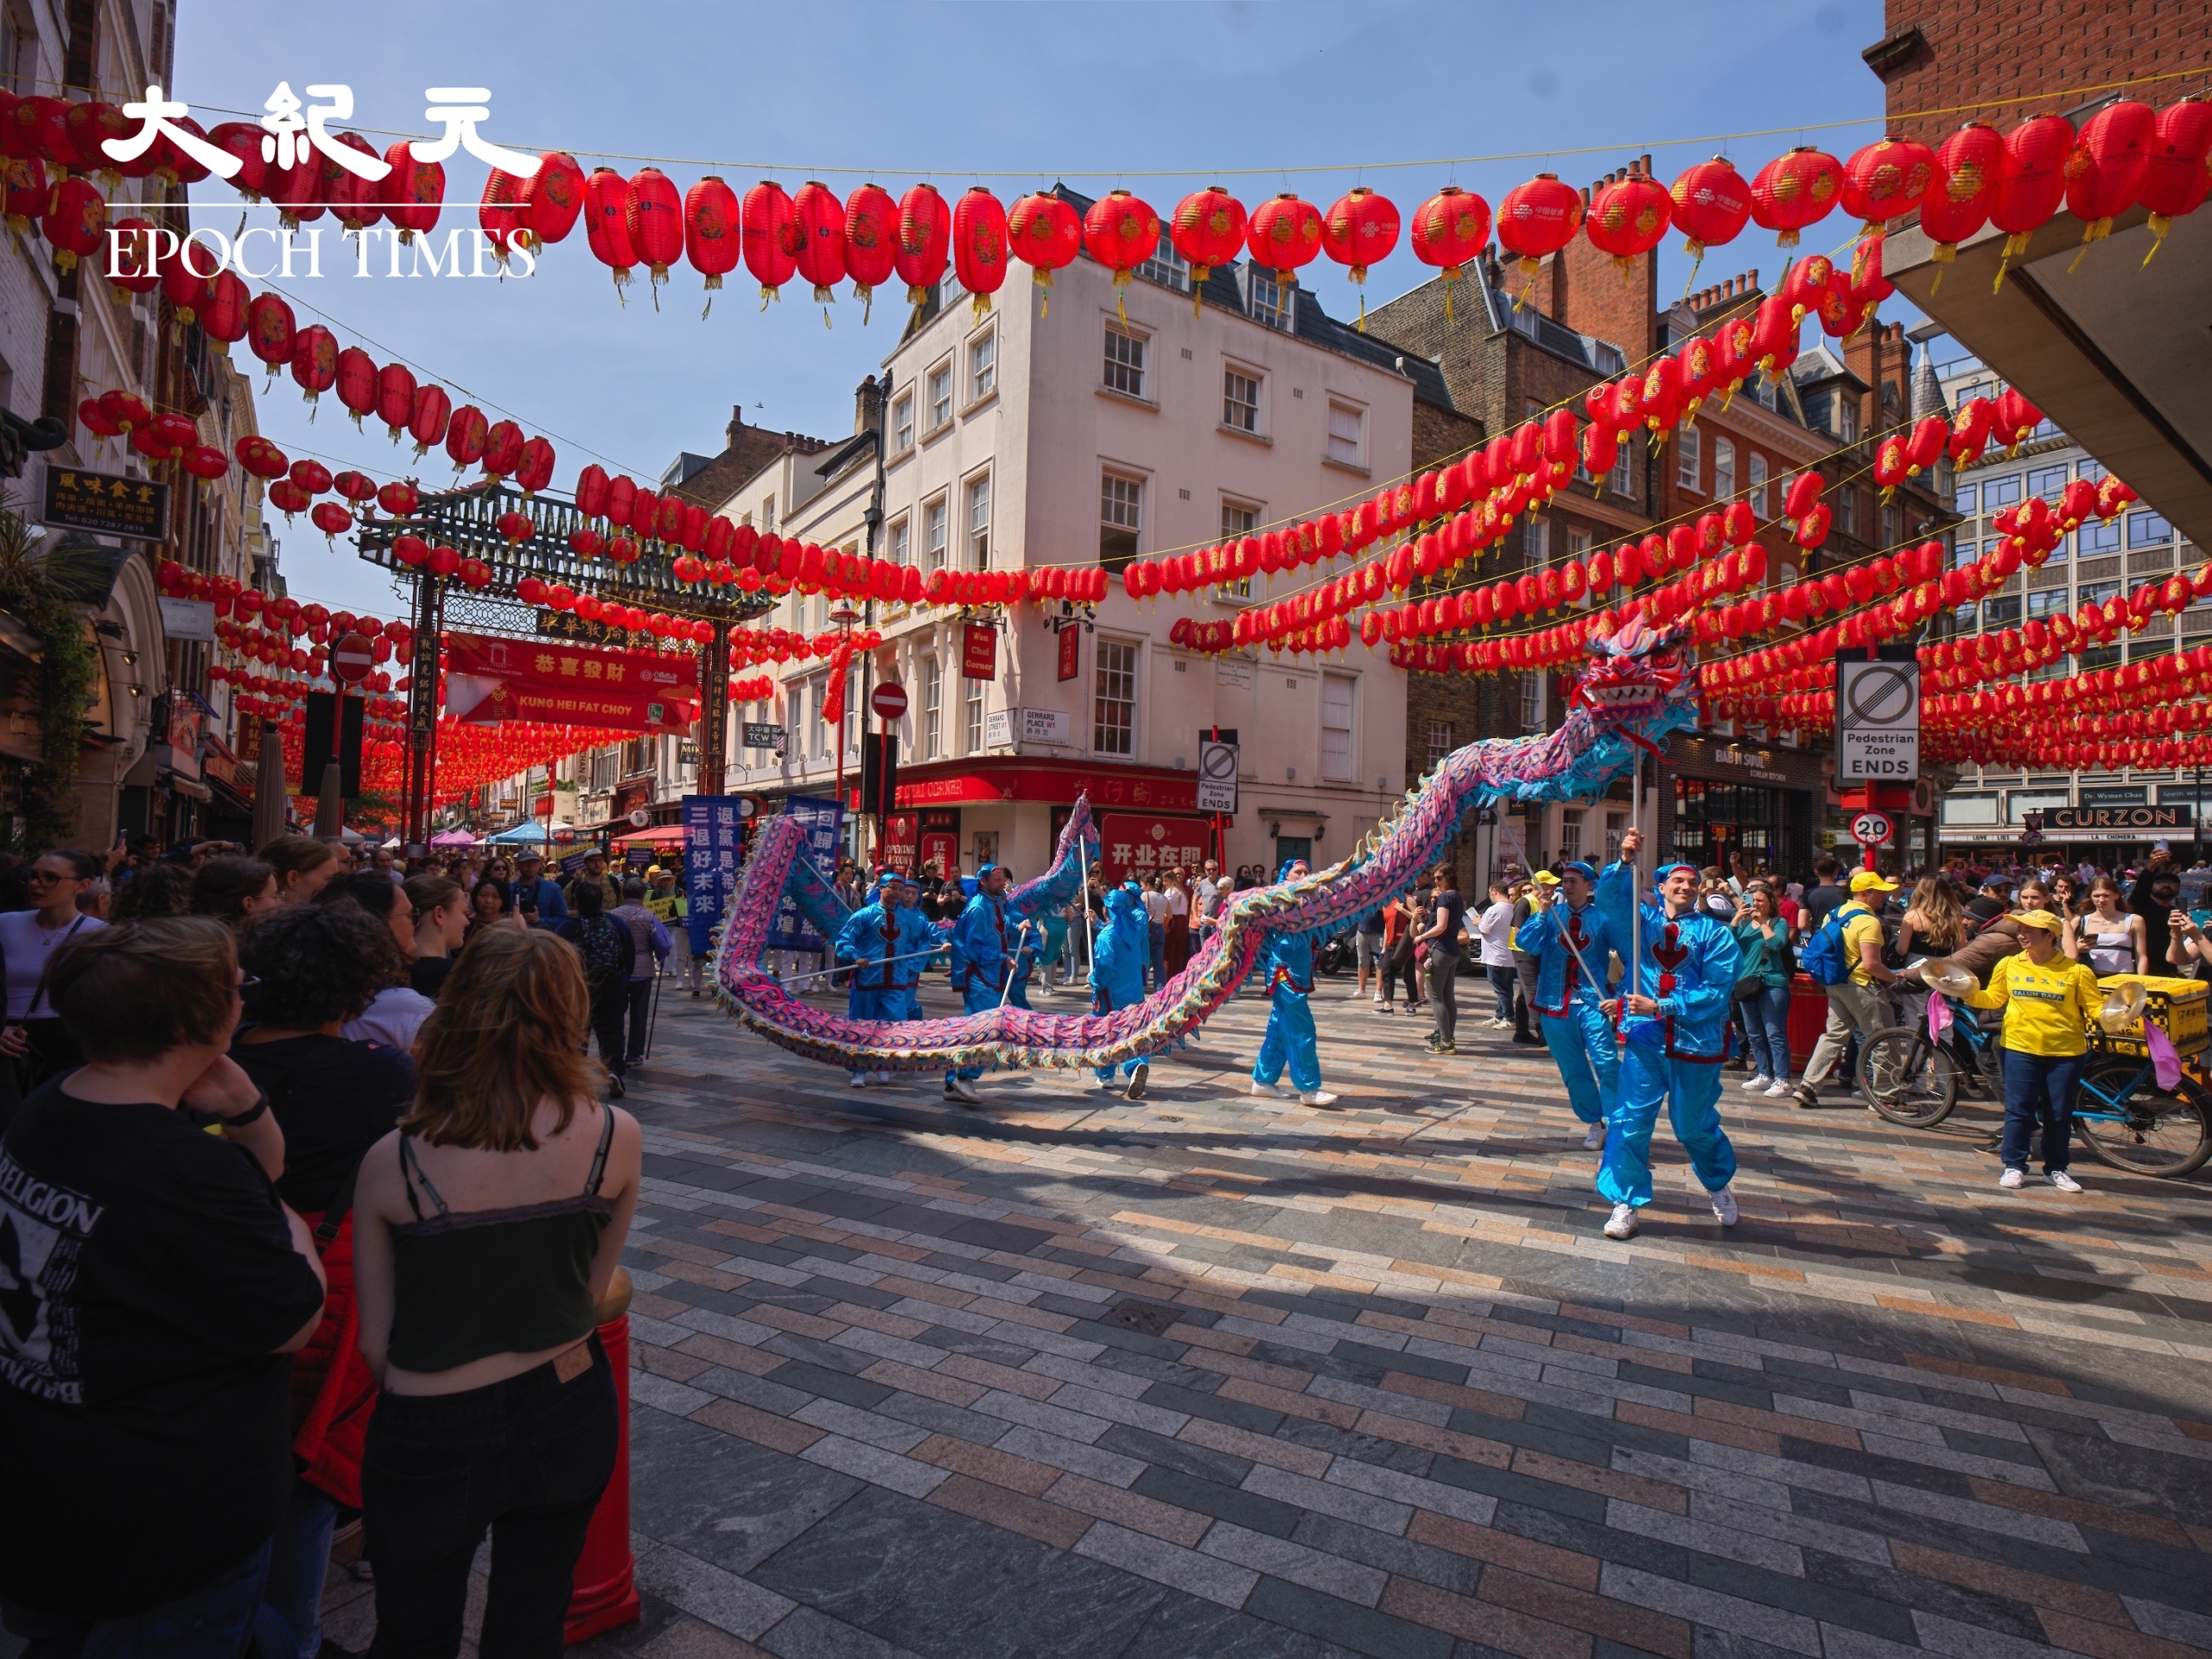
point(1121, 232)
point(710, 232)
point(534, 467)
point(2106, 166)
point(871, 242)
point(314, 362)
point(1284, 234)
point(606, 224)
point(2176, 178)
point(652, 213)
point(465, 436)
point(1359, 231)
point(432, 413)
point(1969, 168)
point(75, 222)
point(394, 402)
point(1711, 203)
point(1046, 234)
point(131, 269)
point(500, 212)
point(1208, 231)
point(357, 383)
point(769, 237)
point(2033, 182)
point(413, 193)
point(1887, 180)
point(924, 241)
point(1795, 190)
point(1628, 219)
point(1537, 219)
point(979, 245)
point(1450, 230)
point(818, 250)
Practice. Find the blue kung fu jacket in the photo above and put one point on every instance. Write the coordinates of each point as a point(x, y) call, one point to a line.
point(1119, 953)
point(1689, 967)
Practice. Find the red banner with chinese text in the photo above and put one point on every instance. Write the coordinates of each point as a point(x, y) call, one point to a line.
point(1142, 843)
point(490, 679)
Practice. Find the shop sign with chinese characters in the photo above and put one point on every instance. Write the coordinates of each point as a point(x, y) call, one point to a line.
point(107, 503)
point(1136, 844)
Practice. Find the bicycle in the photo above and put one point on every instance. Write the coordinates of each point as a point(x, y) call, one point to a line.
point(2125, 1118)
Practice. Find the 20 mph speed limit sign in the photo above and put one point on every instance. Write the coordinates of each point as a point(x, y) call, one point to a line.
point(1877, 723)
point(1872, 829)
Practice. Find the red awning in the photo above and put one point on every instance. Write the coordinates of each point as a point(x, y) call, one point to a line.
point(661, 835)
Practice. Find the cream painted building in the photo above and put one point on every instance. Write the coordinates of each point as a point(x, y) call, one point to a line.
point(1112, 424)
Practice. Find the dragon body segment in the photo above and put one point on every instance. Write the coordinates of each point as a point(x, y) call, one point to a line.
point(1638, 688)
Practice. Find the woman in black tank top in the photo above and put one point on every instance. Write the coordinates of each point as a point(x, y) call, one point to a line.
point(489, 1226)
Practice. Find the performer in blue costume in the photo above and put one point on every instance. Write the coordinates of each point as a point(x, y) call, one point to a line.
point(1675, 1020)
point(983, 948)
point(1580, 1037)
point(917, 933)
point(1288, 967)
point(870, 938)
point(1117, 964)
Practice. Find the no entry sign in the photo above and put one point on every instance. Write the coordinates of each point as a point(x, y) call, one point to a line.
point(351, 657)
point(889, 700)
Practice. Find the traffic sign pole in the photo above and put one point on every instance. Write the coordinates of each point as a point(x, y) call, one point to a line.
point(889, 701)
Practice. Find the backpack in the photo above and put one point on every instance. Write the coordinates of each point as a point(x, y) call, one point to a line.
point(1822, 957)
point(601, 946)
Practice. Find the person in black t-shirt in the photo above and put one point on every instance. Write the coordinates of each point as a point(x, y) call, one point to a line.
point(1827, 893)
point(1442, 968)
point(153, 1286)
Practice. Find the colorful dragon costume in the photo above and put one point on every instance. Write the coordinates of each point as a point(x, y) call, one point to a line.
point(1639, 687)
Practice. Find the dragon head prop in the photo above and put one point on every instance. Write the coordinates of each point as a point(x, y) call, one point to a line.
point(1636, 674)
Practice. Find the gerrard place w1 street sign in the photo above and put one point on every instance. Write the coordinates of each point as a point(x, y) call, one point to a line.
point(1876, 721)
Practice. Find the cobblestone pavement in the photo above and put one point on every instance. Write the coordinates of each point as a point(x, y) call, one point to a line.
point(1215, 1375)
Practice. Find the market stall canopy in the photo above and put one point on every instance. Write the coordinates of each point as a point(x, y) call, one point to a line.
point(453, 838)
point(661, 835)
point(532, 831)
point(2112, 350)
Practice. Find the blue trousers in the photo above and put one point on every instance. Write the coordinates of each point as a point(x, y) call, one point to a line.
point(1767, 1031)
point(876, 1005)
point(1100, 1002)
point(1588, 1057)
point(2040, 1088)
point(1156, 939)
point(980, 996)
point(1692, 1092)
point(1290, 1040)
point(222, 1619)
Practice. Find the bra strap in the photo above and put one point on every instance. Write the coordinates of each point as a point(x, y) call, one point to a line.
point(410, 1162)
point(598, 1157)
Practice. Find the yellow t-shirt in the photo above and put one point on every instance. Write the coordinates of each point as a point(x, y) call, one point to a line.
point(2051, 1006)
point(1857, 929)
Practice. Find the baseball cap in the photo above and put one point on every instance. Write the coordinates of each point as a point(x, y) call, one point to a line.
point(1871, 881)
point(1545, 879)
point(1580, 867)
point(2042, 919)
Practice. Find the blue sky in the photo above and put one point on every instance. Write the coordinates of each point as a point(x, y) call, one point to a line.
point(1191, 93)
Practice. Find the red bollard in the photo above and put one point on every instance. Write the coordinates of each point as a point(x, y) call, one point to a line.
point(604, 1592)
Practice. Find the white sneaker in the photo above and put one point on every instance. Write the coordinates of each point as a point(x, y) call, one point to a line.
point(1316, 1097)
point(963, 1090)
point(883, 1077)
point(1271, 1091)
point(1135, 1089)
point(1779, 1089)
point(1103, 1085)
point(1622, 1221)
point(2062, 1180)
point(2013, 1177)
point(1752, 1086)
point(858, 1080)
point(1595, 1138)
point(1724, 1207)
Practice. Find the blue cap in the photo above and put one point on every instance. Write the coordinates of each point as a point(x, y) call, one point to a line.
point(1666, 870)
point(1283, 874)
point(983, 870)
point(1579, 866)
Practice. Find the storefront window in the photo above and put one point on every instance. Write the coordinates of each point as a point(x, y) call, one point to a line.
point(1713, 821)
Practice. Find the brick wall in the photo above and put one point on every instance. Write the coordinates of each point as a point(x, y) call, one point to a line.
point(1590, 294)
point(1975, 50)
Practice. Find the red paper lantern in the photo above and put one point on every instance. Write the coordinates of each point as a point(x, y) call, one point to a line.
point(1628, 219)
point(1284, 234)
point(314, 361)
point(503, 444)
point(433, 412)
point(1450, 229)
point(606, 223)
point(355, 486)
point(1712, 202)
point(129, 268)
point(1359, 231)
point(710, 230)
point(2106, 167)
point(242, 141)
point(1969, 166)
point(28, 191)
point(1208, 231)
point(1121, 232)
point(2176, 179)
point(331, 519)
point(498, 211)
point(818, 249)
point(413, 193)
point(399, 499)
point(1887, 180)
point(551, 198)
point(465, 435)
point(1046, 234)
point(1795, 190)
point(652, 213)
point(924, 238)
point(979, 245)
point(769, 237)
point(1538, 218)
point(871, 242)
point(75, 222)
point(357, 383)
point(534, 469)
point(2033, 182)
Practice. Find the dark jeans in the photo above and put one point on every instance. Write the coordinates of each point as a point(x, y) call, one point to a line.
point(221, 1620)
point(1503, 979)
point(1398, 964)
point(1766, 1024)
point(1443, 977)
point(1155, 935)
point(607, 1007)
point(527, 1458)
point(640, 1001)
point(2040, 1088)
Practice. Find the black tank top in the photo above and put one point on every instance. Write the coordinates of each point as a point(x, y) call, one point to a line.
point(494, 1282)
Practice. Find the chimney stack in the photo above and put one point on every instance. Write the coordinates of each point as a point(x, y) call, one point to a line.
point(735, 429)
